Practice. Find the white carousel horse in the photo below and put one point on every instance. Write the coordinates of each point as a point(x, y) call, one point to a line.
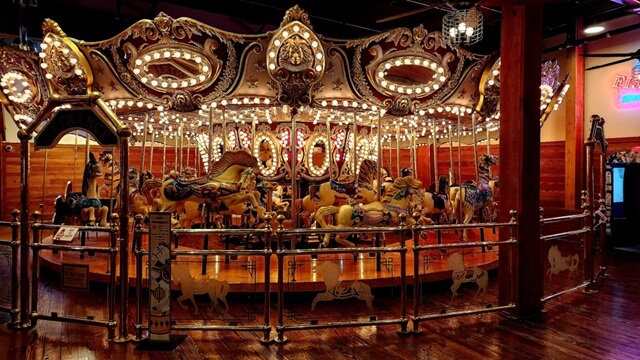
point(342, 191)
point(86, 203)
point(190, 286)
point(469, 197)
point(462, 274)
point(561, 263)
point(338, 289)
point(402, 198)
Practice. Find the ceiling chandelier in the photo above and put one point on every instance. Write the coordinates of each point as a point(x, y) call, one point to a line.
point(464, 25)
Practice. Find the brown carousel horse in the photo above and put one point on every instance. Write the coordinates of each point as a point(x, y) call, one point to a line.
point(85, 204)
point(111, 177)
point(472, 196)
point(230, 187)
point(338, 192)
point(138, 203)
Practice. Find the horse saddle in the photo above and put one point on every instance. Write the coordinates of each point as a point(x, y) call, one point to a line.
point(350, 188)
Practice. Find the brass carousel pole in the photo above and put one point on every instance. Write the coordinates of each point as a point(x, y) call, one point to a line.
point(355, 146)
point(379, 157)
point(488, 147)
point(224, 130)
point(175, 150)
point(452, 168)
point(44, 178)
point(329, 148)
point(390, 155)
point(189, 152)
point(153, 142)
point(144, 142)
point(294, 159)
point(398, 149)
point(475, 142)
point(113, 170)
point(414, 159)
point(164, 150)
point(87, 148)
point(75, 158)
point(435, 150)
point(459, 175)
point(180, 154)
point(210, 150)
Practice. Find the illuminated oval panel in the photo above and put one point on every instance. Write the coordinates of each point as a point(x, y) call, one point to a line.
point(412, 75)
point(174, 68)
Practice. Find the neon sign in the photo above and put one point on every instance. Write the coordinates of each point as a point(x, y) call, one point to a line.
point(628, 91)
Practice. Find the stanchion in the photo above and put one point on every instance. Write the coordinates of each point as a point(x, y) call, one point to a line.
point(15, 245)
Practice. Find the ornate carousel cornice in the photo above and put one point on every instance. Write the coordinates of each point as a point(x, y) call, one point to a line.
point(184, 69)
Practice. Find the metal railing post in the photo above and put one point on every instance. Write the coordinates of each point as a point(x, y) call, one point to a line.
point(15, 280)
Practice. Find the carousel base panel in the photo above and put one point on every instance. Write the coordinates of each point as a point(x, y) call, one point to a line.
point(246, 273)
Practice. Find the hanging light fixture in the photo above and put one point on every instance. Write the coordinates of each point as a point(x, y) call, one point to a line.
point(464, 25)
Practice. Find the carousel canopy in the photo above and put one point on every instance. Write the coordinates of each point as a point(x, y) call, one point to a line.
point(179, 77)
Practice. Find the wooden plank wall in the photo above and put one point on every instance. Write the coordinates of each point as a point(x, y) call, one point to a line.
point(63, 165)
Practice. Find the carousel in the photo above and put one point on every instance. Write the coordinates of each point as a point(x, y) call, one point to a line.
point(217, 162)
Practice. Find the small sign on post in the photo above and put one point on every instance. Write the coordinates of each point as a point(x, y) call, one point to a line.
point(75, 276)
point(65, 233)
point(159, 276)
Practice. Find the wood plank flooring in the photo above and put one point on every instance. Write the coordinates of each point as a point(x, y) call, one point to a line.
point(605, 325)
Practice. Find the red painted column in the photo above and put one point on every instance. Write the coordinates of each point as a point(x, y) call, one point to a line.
point(521, 54)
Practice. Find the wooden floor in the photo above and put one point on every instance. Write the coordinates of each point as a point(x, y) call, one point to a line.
point(605, 325)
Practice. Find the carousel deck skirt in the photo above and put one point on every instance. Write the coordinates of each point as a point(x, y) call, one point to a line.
point(246, 273)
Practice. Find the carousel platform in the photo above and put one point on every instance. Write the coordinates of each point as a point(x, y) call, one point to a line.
point(246, 273)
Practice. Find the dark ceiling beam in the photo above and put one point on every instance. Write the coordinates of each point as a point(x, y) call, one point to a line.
point(578, 42)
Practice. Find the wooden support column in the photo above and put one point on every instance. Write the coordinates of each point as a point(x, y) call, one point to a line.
point(574, 130)
point(521, 56)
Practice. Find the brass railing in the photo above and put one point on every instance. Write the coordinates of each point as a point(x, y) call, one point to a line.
point(14, 245)
point(111, 250)
point(263, 234)
point(418, 248)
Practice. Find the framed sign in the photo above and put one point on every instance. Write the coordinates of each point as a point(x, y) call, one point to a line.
point(75, 276)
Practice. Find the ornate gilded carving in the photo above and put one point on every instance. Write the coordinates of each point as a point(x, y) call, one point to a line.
point(296, 13)
point(295, 58)
point(65, 66)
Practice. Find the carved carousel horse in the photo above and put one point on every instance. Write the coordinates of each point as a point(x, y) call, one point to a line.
point(111, 176)
point(190, 286)
point(337, 192)
point(470, 196)
point(338, 289)
point(439, 196)
point(401, 198)
point(138, 203)
point(86, 203)
point(462, 274)
point(230, 187)
point(561, 263)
